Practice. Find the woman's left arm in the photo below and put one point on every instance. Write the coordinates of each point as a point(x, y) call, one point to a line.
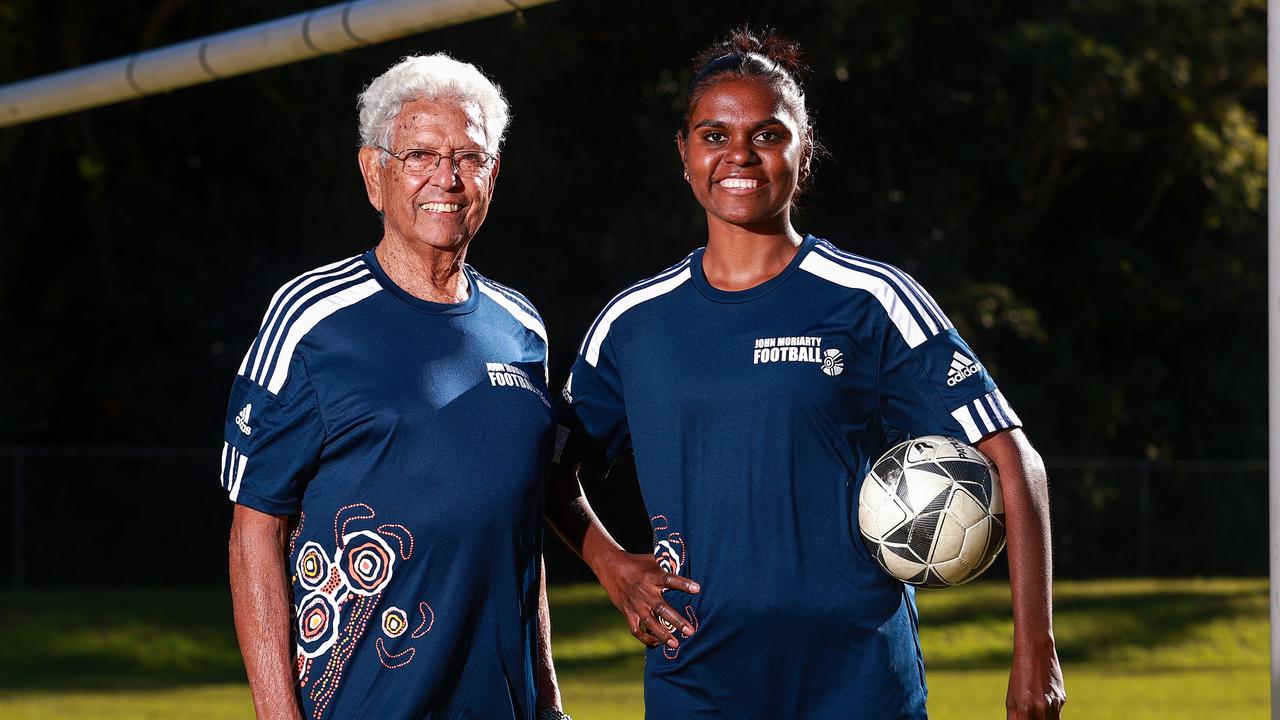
point(1036, 690)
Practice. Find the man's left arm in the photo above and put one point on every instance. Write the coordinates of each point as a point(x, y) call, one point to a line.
point(548, 686)
point(1036, 690)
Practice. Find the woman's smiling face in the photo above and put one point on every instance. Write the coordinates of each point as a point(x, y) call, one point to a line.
point(744, 152)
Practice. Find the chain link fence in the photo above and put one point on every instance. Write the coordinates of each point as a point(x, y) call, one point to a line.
point(157, 516)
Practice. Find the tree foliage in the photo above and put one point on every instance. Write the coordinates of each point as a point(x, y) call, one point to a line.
point(1080, 183)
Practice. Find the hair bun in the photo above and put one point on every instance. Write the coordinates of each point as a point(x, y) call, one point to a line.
point(769, 43)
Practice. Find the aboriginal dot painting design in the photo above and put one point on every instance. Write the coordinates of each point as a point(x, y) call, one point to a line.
point(394, 622)
point(317, 624)
point(341, 588)
point(669, 552)
point(312, 566)
point(366, 560)
point(668, 549)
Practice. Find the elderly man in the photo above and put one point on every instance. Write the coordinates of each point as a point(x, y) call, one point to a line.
point(386, 442)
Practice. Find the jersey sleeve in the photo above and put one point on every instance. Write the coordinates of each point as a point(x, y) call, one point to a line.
point(271, 441)
point(591, 414)
point(938, 387)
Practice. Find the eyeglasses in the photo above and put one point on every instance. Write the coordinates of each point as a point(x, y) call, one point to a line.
point(423, 162)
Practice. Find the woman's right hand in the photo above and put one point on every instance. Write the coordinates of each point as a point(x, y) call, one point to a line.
point(635, 584)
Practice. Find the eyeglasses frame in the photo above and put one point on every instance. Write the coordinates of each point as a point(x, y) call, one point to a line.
point(491, 159)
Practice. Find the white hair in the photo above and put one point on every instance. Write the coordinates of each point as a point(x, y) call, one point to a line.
point(433, 77)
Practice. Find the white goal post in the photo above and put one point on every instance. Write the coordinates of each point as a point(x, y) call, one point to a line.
point(256, 47)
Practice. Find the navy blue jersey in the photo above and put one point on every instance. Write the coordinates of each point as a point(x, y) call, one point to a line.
point(408, 439)
point(753, 417)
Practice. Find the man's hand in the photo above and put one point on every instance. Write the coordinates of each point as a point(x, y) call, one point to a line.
point(1036, 690)
point(635, 584)
point(260, 602)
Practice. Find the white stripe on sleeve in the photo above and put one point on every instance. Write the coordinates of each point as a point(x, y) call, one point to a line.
point(223, 472)
point(237, 474)
point(982, 413)
point(1003, 404)
point(965, 418)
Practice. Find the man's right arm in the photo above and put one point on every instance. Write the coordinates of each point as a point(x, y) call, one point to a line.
point(260, 601)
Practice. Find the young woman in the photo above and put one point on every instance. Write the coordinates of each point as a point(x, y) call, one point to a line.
point(756, 381)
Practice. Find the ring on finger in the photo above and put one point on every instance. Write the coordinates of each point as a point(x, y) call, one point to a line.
point(657, 613)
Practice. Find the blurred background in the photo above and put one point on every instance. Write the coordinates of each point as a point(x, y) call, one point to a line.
point(1080, 184)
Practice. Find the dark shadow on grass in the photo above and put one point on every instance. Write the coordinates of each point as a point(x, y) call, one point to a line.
point(574, 618)
point(583, 617)
point(117, 639)
point(96, 640)
point(1147, 620)
point(619, 665)
point(137, 640)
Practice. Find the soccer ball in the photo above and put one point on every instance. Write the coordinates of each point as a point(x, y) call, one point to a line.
point(931, 512)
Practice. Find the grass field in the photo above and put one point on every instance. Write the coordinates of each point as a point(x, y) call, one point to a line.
point(1135, 650)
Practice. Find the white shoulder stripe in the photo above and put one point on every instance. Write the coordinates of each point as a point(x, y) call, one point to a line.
point(903, 291)
point(888, 296)
point(596, 338)
point(519, 313)
point(924, 303)
point(263, 366)
point(284, 301)
point(322, 309)
point(928, 299)
point(317, 272)
point(244, 363)
point(511, 293)
point(665, 274)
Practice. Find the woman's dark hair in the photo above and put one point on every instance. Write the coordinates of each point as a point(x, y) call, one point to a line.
point(767, 57)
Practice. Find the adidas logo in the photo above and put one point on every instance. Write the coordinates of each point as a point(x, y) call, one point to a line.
point(961, 368)
point(242, 419)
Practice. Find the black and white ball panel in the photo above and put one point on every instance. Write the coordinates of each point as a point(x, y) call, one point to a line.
point(931, 512)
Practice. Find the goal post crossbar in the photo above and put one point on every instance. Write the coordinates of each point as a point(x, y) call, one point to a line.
point(306, 35)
